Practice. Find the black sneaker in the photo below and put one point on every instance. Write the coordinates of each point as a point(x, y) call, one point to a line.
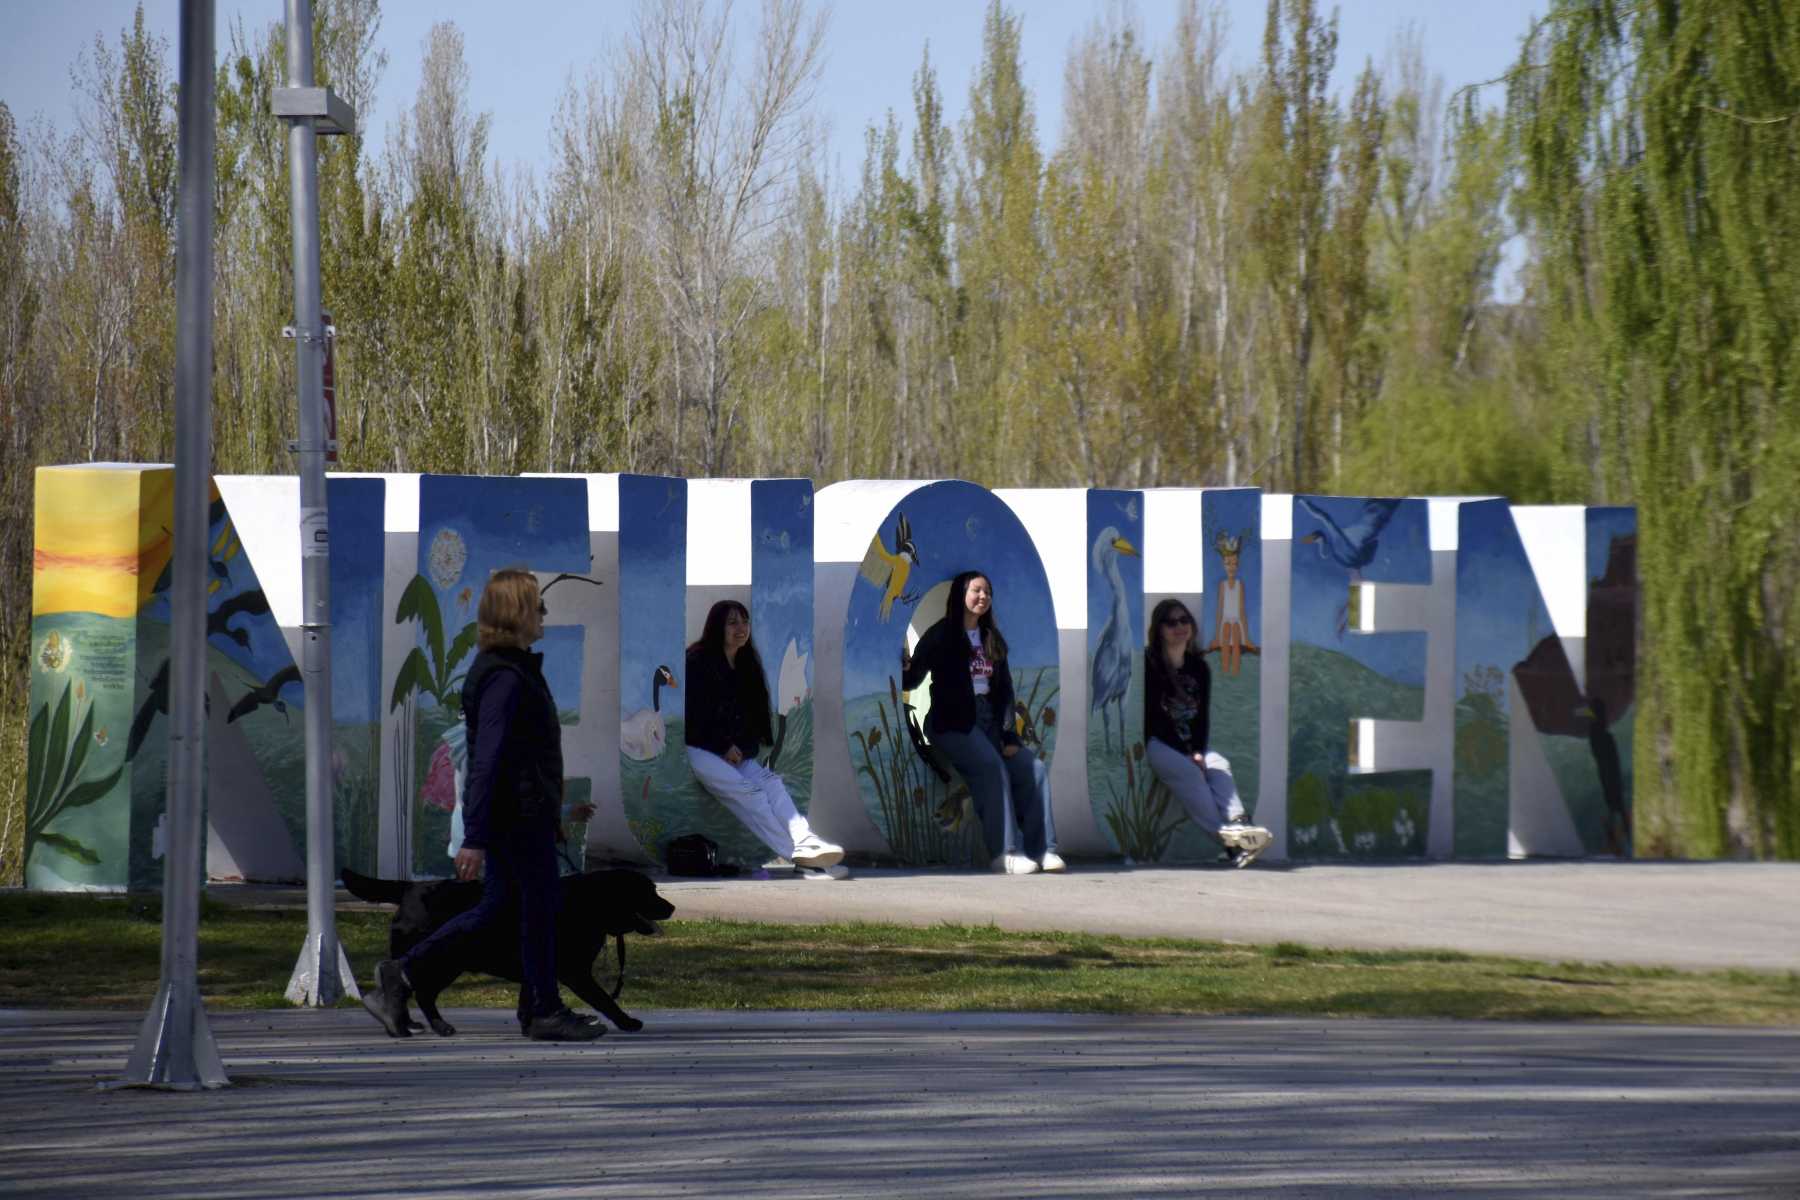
point(386, 1001)
point(564, 1026)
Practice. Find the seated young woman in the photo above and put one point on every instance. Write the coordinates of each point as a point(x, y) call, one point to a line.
point(727, 722)
point(1177, 700)
point(971, 722)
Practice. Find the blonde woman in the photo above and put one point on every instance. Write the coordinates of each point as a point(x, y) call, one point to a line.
point(512, 801)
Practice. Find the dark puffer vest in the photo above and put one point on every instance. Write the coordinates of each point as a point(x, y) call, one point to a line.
point(527, 779)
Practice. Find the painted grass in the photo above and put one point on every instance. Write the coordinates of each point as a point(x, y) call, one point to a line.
point(93, 952)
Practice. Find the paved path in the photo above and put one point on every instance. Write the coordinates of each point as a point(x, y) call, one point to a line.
point(798, 1105)
point(1673, 914)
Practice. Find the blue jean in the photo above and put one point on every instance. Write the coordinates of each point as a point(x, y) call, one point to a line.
point(1209, 793)
point(521, 877)
point(1012, 795)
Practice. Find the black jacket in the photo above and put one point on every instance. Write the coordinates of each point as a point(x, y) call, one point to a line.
point(721, 704)
point(943, 653)
point(1178, 717)
point(514, 743)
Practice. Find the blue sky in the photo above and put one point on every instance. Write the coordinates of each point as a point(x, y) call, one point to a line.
point(520, 53)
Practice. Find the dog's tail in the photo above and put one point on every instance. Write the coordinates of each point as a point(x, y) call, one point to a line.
point(375, 891)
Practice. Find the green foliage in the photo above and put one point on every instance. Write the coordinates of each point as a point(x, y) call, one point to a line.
point(1662, 177)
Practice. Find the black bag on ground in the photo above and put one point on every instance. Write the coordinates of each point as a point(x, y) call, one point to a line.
point(697, 856)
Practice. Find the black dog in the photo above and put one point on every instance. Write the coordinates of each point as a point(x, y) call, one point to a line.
point(592, 907)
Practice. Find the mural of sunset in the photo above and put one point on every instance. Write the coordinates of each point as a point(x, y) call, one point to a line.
point(102, 538)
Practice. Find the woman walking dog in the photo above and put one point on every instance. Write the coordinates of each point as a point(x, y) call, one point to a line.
point(511, 805)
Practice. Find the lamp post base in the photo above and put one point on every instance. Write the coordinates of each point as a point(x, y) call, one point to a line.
point(313, 984)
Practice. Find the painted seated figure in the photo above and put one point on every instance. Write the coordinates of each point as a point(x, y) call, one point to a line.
point(728, 721)
point(1177, 702)
point(970, 724)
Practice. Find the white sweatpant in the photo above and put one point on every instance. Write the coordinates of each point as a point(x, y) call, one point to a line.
point(756, 796)
point(1208, 793)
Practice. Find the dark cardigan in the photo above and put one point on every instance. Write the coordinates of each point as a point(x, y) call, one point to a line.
point(943, 653)
point(1162, 707)
point(719, 709)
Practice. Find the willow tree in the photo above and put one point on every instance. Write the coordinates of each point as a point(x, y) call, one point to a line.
point(1661, 152)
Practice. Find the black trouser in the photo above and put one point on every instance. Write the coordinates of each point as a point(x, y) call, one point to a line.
point(521, 877)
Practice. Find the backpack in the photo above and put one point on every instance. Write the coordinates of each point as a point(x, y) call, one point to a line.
point(697, 856)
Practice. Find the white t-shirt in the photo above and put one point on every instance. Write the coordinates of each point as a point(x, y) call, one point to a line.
point(980, 669)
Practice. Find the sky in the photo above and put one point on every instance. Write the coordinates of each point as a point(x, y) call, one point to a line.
point(522, 53)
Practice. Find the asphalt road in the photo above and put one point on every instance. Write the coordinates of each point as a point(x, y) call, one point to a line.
point(801, 1105)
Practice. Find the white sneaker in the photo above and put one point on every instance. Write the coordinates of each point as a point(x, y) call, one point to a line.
point(1014, 864)
point(816, 852)
point(1052, 863)
point(824, 874)
point(1248, 840)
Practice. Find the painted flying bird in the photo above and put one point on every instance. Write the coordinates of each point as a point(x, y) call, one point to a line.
point(1353, 548)
point(244, 604)
point(889, 572)
point(1110, 673)
point(156, 701)
point(642, 734)
point(268, 693)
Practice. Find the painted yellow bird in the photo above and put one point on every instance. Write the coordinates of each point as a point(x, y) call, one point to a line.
point(889, 571)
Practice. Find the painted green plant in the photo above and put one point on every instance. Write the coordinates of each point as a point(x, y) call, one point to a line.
point(1033, 719)
point(433, 674)
point(926, 820)
point(55, 768)
point(1143, 821)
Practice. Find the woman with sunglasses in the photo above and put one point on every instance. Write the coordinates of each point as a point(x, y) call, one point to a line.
point(971, 721)
point(1177, 698)
point(512, 803)
point(727, 723)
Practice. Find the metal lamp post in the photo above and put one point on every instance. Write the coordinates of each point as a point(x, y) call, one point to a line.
point(322, 975)
point(175, 1047)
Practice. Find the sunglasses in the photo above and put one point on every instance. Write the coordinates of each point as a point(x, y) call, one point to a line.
point(542, 611)
point(1172, 622)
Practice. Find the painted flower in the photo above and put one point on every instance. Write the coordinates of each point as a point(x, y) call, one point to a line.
point(440, 780)
point(874, 736)
point(100, 736)
point(1365, 841)
point(56, 653)
point(1403, 825)
point(447, 557)
point(919, 797)
point(463, 597)
point(1047, 718)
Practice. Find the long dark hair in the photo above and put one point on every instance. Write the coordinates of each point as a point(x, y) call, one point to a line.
point(993, 645)
point(1154, 658)
point(753, 687)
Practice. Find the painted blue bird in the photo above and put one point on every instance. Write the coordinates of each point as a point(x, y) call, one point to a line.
point(1353, 548)
point(1110, 672)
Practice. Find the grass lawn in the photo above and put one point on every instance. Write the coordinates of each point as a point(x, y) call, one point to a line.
point(63, 951)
